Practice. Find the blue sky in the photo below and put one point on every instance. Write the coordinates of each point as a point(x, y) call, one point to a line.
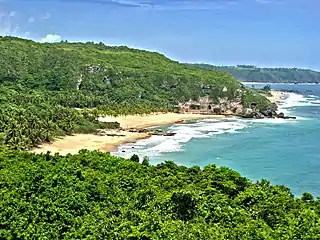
point(223, 32)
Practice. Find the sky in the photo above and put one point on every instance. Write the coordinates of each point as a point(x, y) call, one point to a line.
point(267, 33)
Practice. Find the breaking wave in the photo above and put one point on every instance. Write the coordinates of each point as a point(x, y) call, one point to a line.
point(208, 128)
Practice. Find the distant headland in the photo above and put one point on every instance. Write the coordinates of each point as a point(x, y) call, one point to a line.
point(251, 73)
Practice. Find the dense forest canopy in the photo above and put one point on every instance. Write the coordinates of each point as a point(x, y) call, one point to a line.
point(250, 73)
point(43, 84)
point(49, 90)
point(94, 195)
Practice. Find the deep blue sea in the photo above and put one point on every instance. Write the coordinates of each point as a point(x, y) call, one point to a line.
point(286, 152)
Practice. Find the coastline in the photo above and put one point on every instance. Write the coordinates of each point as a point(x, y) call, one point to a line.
point(289, 83)
point(155, 119)
point(276, 96)
point(73, 144)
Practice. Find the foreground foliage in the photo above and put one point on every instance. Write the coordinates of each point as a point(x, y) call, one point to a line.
point(93, 195)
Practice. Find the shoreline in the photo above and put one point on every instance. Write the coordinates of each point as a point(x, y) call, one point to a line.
point(289, 83)
point(74, 143)
point(276, 96)
point(155, 119)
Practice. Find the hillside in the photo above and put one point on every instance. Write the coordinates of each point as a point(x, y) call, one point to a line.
point(117, 73)
point(277, 75)
point(42, 84)
point(93, 195)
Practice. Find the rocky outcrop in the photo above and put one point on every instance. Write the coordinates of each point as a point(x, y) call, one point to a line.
point(270, 112)
point(151, 132)
point(234, 107)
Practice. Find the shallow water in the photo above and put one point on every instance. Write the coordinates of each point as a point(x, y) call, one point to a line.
point(283, 151)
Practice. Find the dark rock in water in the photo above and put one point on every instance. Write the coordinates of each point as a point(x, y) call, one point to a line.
point(143, 130)
point(258, 115)
point(268, 113)
point(161, 133)
point(169, 134)
point(123, 151)
point(250, 115)
point(114, 135)
point(180, 121)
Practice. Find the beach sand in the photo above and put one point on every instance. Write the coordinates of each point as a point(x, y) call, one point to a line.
point(276, 96)
point(155, 119)
point(72, 144)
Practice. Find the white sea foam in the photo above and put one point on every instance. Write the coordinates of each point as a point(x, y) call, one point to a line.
point(184, 133)
point(207, 128)
point(315, 101)
point(296, 100)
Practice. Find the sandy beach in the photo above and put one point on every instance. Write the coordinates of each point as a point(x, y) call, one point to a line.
point(155, 119)
point(276, 96)
point(72, 144)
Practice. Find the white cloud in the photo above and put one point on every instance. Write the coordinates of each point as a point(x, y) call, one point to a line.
point(51, 38)
point(12, 14)
point(269, 1)
point(131, 3)
point(176, 4)
point(31, 19)
point(46, 16)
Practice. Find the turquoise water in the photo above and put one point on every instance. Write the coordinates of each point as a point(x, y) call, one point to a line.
point(286, 152)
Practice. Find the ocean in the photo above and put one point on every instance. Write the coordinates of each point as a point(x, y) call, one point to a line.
point(285, 152)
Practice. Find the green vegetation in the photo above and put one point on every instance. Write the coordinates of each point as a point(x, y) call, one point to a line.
point(49, 90)
point(93, 195)
point(255, 97)
point(251, 73)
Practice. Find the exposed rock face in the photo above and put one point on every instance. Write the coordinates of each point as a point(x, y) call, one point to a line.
point(248, 111)
point(269, 113)
point(225, 106)
point(79, 82)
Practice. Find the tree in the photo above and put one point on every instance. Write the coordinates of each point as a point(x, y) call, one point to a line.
point(307, 197)
point(145, 161)
point(267, 88)
point(134, 158)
